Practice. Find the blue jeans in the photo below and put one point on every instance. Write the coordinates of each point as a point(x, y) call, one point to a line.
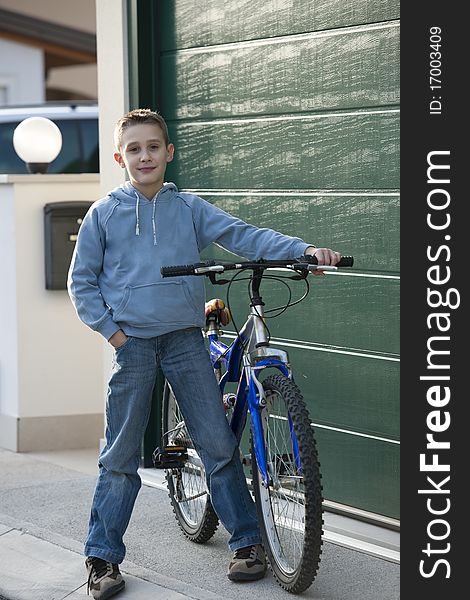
point(185, 363)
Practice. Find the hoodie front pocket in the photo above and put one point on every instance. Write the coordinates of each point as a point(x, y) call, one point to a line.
point(156, 303)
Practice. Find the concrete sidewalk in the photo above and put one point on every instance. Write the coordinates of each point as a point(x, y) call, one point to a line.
point(44, 507)
point(32, 567)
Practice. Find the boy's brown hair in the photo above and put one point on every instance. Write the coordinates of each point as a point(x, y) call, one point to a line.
point(139, 116)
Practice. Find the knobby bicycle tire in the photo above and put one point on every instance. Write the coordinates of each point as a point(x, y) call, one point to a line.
point(187, 487)
point(290, 509)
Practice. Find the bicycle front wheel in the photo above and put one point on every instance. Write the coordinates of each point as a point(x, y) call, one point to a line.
point(187, 486)
point(290, 508)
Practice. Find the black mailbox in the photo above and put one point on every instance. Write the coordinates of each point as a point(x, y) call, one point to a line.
point(62, 221)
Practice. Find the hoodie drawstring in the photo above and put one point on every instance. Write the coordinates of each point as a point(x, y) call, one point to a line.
point(137, 220)
point(154, 227)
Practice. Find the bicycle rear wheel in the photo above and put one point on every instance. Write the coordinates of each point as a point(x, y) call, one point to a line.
point(187, 486)
point(290, 508)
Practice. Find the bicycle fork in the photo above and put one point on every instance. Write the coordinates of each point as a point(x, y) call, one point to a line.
point(258, 408)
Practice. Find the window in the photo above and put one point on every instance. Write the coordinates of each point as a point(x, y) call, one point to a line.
point(79, 153)
point(89, 136)
point(10, 162)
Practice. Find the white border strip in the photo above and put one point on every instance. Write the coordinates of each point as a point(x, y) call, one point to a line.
point(153, 478)
point(361, 546)
point(359, 514)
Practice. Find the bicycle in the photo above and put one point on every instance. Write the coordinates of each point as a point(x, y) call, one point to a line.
point(286, 476)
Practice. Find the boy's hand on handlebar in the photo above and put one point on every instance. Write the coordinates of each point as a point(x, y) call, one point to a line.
point(324, 256)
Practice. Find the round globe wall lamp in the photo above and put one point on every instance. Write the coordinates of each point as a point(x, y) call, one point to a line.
point(37, 141)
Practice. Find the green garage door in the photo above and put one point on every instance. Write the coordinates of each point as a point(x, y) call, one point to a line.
point(286, 114)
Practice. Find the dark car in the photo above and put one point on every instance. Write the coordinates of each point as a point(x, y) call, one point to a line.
point(78, 124)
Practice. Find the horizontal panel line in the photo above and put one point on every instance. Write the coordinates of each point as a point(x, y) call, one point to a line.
point(371, 275)
point(287, 193)
point(282, 39)
point(318, 112)
point(356, 433)
point(303, 345)
point(347, 273)
point(317, 346)
point(277, 118)
point(340, 430)
point(332, 351)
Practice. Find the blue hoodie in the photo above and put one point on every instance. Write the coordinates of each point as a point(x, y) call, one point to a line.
point(114, 278)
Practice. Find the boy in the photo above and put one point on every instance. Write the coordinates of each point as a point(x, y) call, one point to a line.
point(116, 287)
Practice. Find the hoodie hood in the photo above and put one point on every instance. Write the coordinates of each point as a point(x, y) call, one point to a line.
point(128, 194)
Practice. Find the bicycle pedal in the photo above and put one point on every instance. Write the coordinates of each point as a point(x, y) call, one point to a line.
point(170, 457)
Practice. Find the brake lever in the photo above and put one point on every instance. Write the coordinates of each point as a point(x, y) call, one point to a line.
point(304, 268)
point(302, 274)
point(214, 281)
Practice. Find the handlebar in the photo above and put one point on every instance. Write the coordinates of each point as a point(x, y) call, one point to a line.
point(304, 263)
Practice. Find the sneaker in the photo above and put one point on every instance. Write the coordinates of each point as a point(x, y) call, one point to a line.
point(248, 564)
point(104, 578)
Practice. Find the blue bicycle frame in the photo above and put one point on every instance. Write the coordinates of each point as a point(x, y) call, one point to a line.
point(241, 362)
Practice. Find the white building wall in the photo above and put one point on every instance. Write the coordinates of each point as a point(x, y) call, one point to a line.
point(53, 369)
point(8, 316)
point(21, 74)
point(51, 364)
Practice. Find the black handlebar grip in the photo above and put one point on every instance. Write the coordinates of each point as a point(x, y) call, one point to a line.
point(176, 271)
point(346, 261)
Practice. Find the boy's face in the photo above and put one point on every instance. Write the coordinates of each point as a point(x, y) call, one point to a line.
point(144, 154)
